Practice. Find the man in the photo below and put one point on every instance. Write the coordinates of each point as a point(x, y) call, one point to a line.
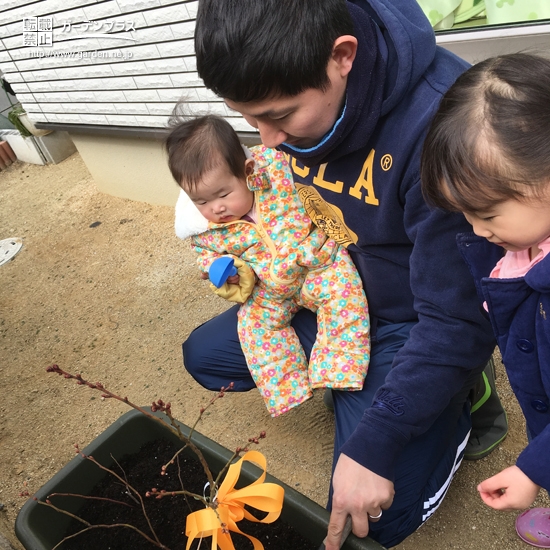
point(347, 90)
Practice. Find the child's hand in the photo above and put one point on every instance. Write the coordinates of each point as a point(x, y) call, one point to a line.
point(237, 288)
point(233, 279)
point(510, 489)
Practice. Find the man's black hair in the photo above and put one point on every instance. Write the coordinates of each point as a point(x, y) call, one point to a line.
point(250, 50)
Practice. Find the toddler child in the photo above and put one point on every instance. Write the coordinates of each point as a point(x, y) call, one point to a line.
point(253, 213)
point(487, 154)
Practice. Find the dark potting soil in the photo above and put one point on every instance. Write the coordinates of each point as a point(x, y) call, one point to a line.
point(167, 515)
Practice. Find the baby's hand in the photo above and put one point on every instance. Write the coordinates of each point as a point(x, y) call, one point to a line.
point(510, 489)
point(237, 288)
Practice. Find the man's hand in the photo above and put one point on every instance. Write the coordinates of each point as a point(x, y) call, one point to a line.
point(357, 492)
point(510, 489)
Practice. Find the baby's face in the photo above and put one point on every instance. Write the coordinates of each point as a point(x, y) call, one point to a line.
point(221, 197)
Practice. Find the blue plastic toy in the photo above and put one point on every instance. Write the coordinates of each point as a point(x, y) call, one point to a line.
point(220, 270)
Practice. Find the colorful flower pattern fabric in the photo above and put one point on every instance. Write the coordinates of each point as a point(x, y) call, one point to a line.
point(297, 266)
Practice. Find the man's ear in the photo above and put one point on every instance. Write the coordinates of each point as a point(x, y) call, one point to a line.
point(343, 53)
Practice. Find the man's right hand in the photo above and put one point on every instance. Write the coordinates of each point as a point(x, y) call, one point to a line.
point(359, 493)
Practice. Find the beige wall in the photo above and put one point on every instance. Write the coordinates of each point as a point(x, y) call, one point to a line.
point(133, 168)
point(129, 167)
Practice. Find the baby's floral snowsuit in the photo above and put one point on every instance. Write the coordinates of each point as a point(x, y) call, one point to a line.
point(296, 266)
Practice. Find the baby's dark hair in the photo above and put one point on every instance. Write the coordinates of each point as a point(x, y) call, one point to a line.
point(197, 145)
point(250, 50)
point(490, 138)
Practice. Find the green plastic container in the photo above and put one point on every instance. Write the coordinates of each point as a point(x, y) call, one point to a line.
point(41, 528)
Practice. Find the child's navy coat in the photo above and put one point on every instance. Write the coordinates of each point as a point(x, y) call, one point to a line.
point(519, 309)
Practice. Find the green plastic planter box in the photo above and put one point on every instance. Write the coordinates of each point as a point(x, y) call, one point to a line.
point(41, 528)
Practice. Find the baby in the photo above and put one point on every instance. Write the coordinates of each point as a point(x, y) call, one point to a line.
point(251, 211)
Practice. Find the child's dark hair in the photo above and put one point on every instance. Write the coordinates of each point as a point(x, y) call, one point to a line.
point(198, 145)
point(490, 137)
point(250, 50)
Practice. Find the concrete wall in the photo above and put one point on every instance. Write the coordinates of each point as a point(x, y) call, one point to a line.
point(131, 167)
point(128, 167)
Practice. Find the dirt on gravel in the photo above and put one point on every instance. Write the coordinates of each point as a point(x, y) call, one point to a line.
point(103, 287)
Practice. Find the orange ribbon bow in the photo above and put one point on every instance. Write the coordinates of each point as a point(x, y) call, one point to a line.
point(267, 497)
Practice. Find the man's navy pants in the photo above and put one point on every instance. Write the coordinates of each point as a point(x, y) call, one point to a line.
point(212, 355)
